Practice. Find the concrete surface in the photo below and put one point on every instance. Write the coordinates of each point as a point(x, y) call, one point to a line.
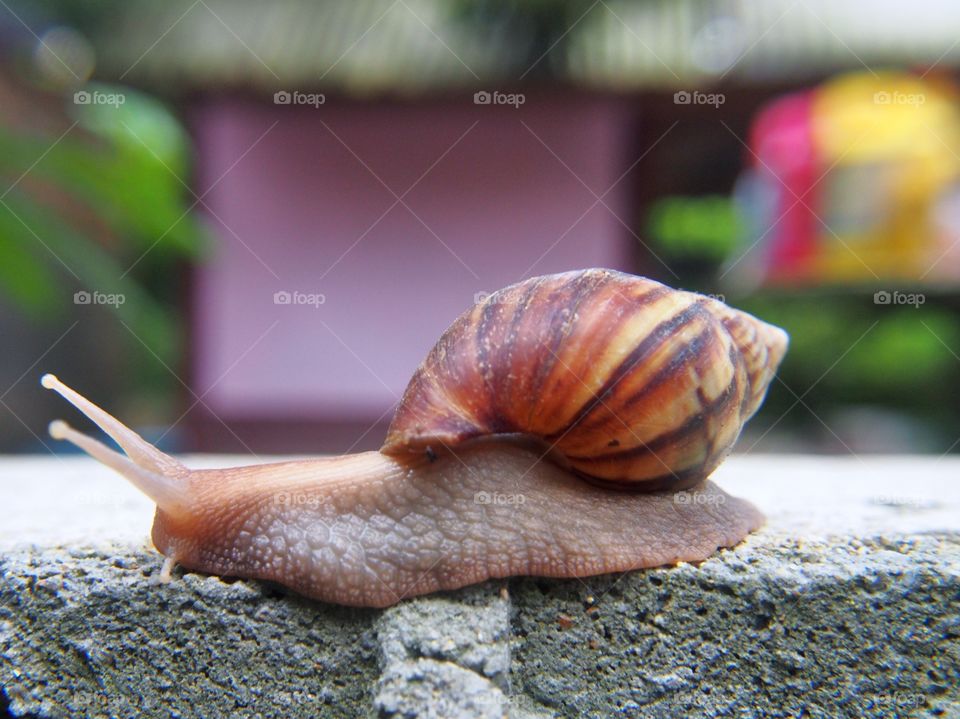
point(846, 605)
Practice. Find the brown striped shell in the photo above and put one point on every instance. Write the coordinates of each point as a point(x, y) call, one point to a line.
point(626, 379)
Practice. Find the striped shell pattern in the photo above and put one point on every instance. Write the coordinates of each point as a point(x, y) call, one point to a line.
point(627, 380)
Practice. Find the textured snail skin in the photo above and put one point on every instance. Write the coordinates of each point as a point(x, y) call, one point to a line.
point(445, 504)
point(375, 530)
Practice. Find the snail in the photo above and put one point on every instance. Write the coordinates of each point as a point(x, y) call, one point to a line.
point(551, 431)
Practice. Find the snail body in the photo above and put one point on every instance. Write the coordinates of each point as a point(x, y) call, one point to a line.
point(594, 375)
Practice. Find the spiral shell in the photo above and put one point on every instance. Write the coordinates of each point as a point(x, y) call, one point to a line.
point(627, 380)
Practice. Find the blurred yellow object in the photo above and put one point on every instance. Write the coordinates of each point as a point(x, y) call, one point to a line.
point(887, 199)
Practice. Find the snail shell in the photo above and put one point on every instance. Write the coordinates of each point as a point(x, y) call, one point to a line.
point(626, 380)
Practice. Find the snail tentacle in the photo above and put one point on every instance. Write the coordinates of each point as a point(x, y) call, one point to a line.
point(156, 474)
point(136, 447)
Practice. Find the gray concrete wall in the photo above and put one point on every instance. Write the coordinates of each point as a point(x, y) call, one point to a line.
point(846, 605)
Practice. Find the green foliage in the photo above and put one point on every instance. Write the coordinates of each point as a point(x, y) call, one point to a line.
point(914, 342)
point(700, 228)
point(846, 350)
point(101, 209)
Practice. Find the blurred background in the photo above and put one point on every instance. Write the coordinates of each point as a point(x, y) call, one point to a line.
point(240, 226)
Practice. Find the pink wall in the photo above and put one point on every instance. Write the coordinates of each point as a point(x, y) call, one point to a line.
point(298, 203)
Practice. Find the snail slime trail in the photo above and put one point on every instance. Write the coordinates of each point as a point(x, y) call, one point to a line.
point(637, 390)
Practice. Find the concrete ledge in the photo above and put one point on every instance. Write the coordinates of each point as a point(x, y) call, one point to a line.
point(846, 605)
